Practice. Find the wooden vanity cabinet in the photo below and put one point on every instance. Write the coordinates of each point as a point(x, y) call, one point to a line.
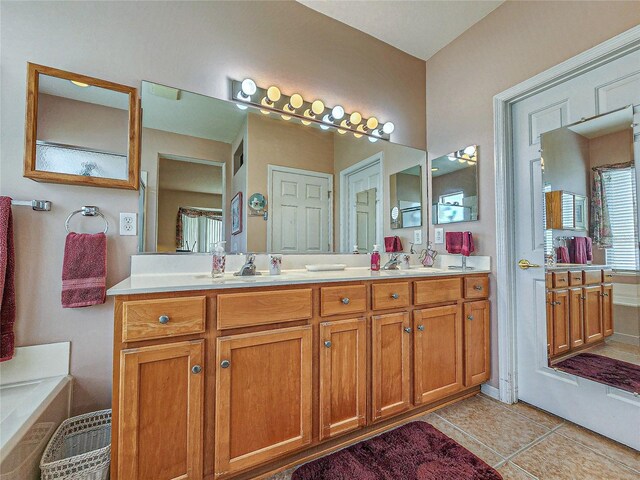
point(390, 368)
point(561, 333)
point(477, 354)
point(160, 416)
point(343, 376)
point(607, 309)
point(592, 308)
point(263, 396)
point(576, 317)
point(437, 352)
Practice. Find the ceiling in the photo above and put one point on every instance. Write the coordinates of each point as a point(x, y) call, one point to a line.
point(605, 124)
point(196, 176)
point(420, 28)
point(100, 96)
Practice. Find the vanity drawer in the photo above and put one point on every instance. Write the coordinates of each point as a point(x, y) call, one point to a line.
point(590, 277)
point(164, 317)
point(607, 276)
point(575, 278)
point(476, 287)
point(437, 291)
point(345, 299)
point(261, 308)
point(560, 279)
point(390, 295)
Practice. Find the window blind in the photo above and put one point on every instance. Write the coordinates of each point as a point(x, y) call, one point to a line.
point(620, 191)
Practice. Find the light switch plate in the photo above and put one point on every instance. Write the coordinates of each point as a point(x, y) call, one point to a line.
point(417, 237)
point(128, 224)
point(439, 234)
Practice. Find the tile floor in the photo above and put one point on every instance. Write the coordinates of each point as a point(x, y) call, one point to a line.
point(525, 443)
point(618, 351)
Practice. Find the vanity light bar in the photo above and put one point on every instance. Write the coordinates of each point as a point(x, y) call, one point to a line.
point(272, 100)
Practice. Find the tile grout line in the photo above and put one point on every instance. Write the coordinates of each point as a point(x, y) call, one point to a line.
point(533, 443)
point(507, 408)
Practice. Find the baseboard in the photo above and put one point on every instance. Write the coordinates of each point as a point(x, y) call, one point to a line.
point(625, 338)
point(490, 391)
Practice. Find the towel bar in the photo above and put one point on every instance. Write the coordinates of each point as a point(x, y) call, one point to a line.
point(88, 211)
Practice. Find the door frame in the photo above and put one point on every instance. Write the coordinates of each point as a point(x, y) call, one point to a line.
point(277, 168)
point(599, 55)
point(377, 158)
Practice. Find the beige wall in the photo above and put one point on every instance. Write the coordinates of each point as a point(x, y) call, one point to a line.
point(169, 201)
point(275, 142)
point(200, 46)
point(511, 44)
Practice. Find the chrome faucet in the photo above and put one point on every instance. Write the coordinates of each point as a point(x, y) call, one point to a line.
point(249, 267)
point(393, 262)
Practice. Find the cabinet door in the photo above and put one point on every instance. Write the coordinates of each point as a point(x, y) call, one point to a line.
point(437, 350)
point(263, 396)
point(592, 308)
point(391, 340)
point(161, 411)
point(343, 376)
point(477, 356)
point(607, 309)
point(576, 318)
point(561, 339)
point(549, 321)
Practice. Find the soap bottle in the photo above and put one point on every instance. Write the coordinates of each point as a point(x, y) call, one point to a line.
point(219, 260)
point(375, 259)
point(356, 250)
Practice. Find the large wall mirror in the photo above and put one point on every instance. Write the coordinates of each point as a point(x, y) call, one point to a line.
point(591, 246)
point(218, 171)
point(81, 130)
point(405, 189)
point(454, 186)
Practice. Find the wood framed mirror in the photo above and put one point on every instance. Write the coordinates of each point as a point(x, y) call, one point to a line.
point(81, 130)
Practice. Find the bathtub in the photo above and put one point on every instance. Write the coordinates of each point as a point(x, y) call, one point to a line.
point(35, 397)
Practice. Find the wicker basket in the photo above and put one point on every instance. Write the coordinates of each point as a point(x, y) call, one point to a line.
point(80, 449)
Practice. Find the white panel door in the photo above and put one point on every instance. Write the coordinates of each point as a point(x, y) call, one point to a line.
point(366, 218)
point(607, 410)
point(300, 211)
point(363, 203)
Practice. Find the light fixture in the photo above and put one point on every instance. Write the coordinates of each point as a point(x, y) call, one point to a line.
point(434, 169)
point(295, 102)
point(79, 84)
point(470, 150)
point(269, 100)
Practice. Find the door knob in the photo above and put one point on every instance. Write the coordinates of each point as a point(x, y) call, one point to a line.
point(196, 369)
point(346, 300)
point(525, 264)
point(163, 319)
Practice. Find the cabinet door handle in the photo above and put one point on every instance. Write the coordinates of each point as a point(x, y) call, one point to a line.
point(163, 319)
point(346, 300)
point(196, 369)
point(604, 294)
point(421, 328)
point(469, 317)
point(407, 329)
point(225, 363)
point(395, 296)
point(478, 287)
point(327, 343)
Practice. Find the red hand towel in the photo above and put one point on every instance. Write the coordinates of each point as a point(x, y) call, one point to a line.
point(84, 270)
point(453, 242)
point(392, 244)
point(7, 285)
point(562, 255)
point(467, 244)
point(581, 250)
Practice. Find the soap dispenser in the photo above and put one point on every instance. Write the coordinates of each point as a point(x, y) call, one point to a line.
point(375, 259)
point(219, 260)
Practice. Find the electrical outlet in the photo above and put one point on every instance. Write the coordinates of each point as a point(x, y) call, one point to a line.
point(128, 224)
point(439, 234)
point(417, 237)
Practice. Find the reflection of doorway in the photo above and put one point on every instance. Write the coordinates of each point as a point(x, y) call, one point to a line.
point(360, 205)
point(300, 216)
point(190, 200)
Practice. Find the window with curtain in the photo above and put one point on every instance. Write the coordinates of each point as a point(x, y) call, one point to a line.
point(198, 229)
point(548, 233)
point(620, 188)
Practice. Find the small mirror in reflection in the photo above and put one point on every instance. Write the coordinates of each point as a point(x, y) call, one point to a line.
point(454, 186)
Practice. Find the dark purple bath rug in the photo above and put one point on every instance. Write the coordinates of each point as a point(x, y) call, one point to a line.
point(609, 371)
point(415, 451)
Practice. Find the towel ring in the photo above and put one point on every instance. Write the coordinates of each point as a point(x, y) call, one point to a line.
point(88, 211)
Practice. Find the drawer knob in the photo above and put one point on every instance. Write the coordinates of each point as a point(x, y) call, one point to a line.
point(604, 294)
point(407, 329)
point(395, 296)
point(327, 343)
point(469, 317)
point(421, 328)
point(346, 300)
point(196, 369)
point(478, 287)
point(163, 319)
point(225, 363)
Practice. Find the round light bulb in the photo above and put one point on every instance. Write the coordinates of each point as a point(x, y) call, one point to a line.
point(341, 131)
point(373, 139)
point(451, 158)
point(361, 128)
point(355, 118)
point(324, 127)
point(470, 150)
point(305, 122)
point(285, 117)
point(372, 123)
point(79, 84)
point(273, 94)
point(241, 107)
point(357, 135)
point(296, 100)
point(337, 112)
point(248, 87)
point(388, 128)
point(317, 107)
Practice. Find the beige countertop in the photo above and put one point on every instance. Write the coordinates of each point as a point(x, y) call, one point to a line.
point(560, 267)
